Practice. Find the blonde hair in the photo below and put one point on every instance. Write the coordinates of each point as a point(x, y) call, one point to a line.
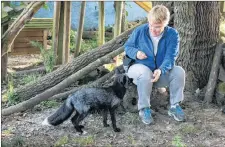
point(159, 14)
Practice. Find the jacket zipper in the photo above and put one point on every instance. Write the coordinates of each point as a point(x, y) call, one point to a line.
point(155, 56)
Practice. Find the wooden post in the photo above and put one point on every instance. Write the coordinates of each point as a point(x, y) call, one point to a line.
point(80, 29)
point(4, 58)
point(118, 18)
point(56, 20)
point(60, 35)
point(66, 35)
point(45, 35)
point(101, 23)
point(214, 73)
point(118, 21)
point(123, 21)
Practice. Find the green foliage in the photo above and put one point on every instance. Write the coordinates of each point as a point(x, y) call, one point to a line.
point(12, 98)
point(178, 142)
point(15, 142)
point(88, 44)
point(85, 141)
point(30, 78)
point(47, 55)
point(62, 141)
point(45, 6)
point(18, 142)
point(72, 40)
point(50, 104)
point(221, 87)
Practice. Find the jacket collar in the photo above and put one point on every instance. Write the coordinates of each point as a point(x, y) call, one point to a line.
point(164, 31)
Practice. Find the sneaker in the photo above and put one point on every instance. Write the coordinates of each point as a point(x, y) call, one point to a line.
point(177, 113)
point(146, 116)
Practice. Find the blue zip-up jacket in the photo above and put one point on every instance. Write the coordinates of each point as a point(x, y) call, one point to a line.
point(167, 52)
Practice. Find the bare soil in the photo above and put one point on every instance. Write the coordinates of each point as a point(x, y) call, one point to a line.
point(203, 127)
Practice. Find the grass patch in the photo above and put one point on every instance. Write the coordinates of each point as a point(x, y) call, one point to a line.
point(62, 141)
point(10, 95)
point(188, 129)
point(15, 142)
point(49, 104)
point(85, 141)
point(131, 139)
point(30, 78)
point(177, 141)
point(47, 55)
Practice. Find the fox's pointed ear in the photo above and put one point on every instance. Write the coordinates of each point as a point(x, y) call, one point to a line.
point(117, 71)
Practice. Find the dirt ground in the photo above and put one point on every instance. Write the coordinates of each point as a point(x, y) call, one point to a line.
point(203, 127)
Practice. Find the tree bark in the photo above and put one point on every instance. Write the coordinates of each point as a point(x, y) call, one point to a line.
point(66, 82)
point(214, 74)
point(15, 28)
point(66, 70)
point(198, 27)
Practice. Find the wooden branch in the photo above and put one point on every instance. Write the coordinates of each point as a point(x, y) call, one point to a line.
point(66, 82)
point(214, 73)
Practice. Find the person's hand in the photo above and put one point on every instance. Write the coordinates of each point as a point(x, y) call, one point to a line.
point(156, 75)
point(141, 55)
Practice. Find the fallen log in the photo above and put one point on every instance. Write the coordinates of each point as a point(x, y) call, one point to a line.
point(66, 82)
point(213, 74)
point(29, 90)
point(96, 83)
point(30, 71)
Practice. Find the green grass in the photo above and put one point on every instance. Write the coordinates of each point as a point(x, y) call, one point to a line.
point(85, 141)
point(177, 141)
point(47, 55)
point(61, 141)
point(49, 104)
point(30, 78)
point(10, 95)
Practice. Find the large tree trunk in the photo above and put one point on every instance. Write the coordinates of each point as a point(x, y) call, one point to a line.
point(15, 28)
point(198, 26)
point(66, 70)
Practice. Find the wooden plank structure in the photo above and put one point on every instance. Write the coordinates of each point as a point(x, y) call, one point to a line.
point(36, 30)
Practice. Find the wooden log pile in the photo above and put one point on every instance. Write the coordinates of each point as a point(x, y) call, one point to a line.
point(216, 84)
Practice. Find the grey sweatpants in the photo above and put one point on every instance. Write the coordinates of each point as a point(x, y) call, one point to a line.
point(142, 75)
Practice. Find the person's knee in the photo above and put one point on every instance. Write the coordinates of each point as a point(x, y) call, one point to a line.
point(141, 72)
point(179, 72)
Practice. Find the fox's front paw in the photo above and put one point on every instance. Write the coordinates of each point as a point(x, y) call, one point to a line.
point(81, 126)
point(106, 125)
point(117, 129)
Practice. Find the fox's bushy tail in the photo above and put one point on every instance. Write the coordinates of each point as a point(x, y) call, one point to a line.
point(62, 114)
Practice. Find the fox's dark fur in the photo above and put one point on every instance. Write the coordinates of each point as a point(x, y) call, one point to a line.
point(87, 99)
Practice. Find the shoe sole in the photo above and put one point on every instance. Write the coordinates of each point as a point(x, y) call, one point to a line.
point(172, 115)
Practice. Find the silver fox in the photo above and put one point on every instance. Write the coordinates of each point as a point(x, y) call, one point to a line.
point(87, 99)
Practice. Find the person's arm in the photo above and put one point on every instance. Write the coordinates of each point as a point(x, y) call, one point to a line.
point(130, 46)
point(171, 53)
